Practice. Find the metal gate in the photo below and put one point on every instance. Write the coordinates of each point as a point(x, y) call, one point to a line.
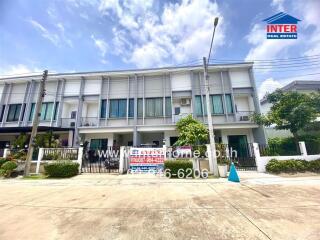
point(244, 160)
point(101, 160)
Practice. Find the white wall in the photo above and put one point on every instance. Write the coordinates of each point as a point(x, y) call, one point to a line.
point(109, 136)
point(118, 88)
point(92, 86)
point(18, 92)
point(168, 134)
point(72, 88)
point(1, 90)
point(242, 103)
point(240, 78)
point(180, 81)
point(68, 108)
point(230, 132)
point(51, 89)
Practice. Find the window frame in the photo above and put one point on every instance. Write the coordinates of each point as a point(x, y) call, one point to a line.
point(16, 113)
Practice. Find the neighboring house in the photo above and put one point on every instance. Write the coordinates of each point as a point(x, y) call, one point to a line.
point(133, 107)
point(299, 86)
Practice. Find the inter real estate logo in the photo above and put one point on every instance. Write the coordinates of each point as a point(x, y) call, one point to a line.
point(282, 26)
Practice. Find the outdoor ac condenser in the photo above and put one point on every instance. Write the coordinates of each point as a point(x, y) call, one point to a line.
point(185, 102)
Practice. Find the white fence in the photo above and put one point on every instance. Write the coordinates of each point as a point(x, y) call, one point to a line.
point(263, 161)
point(64, 152)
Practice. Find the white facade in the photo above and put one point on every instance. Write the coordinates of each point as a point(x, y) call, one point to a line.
point(134, 107)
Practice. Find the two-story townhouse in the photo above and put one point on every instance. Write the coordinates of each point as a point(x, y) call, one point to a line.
point(133, 107)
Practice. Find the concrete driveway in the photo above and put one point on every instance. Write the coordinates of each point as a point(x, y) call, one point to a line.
point(147, 207)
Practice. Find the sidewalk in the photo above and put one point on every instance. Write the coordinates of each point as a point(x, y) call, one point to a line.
point(101, 206)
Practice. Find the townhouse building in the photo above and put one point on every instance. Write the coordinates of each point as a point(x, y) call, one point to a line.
point(132, 107)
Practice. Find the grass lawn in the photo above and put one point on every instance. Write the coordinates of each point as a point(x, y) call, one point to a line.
point(35, 177)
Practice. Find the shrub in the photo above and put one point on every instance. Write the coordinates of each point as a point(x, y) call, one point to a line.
point(62, 169)
point(314, 166)
point(292, 166)
point(8, 167)
point(173, 166)
point(2, 161)
point(2, 172)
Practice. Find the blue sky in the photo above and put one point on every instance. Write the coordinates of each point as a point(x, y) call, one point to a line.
point(92, 35)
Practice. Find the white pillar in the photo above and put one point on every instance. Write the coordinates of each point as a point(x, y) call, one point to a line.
point(70, 138)
point(6, 152)
point(165, 152)
point(303, 149)
point(210, 157)
point(80, 154)
point(122, 164)
point(40, 156)
point(196, 164)
point(261, 167)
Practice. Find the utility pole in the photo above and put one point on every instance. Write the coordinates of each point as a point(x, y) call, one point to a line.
point(213, 163)
point(35, 124)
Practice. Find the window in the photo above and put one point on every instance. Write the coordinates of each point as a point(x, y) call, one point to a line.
point(46, 111)
point(56, 111)
point(31, 115)
point(14, 112)
point(99, 143)
point(229, 103)
point(103, 110)
point(73, 114)
point(176, 111)
point(217, 104)
point(168, 106)
point(140, 107)
point(2, 112)
point(154, 107)
point(198, 106)
point(118, 108)
point(131, 108)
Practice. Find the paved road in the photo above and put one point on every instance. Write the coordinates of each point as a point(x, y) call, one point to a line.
point(143, 207)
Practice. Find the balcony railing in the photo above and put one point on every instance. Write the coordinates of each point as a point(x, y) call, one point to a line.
point(244, 116)
point(68, 122)
point(176, 118)
point(89, 122)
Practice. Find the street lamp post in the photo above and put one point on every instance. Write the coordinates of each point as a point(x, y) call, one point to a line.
point(213, 158)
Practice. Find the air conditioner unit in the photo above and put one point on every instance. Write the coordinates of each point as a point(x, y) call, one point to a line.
point(244, 118)
point(72, 124)
point(185, 102)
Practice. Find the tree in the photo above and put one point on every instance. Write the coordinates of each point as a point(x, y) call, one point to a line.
point(191, 132)
point(290, 110)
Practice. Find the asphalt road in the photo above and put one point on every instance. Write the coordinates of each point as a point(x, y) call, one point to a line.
point(145, 207)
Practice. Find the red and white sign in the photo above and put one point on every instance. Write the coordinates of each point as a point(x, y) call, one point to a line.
point(146, 158)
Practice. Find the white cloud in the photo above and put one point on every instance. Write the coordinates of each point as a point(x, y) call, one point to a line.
point(181, 33)
point(18, 69)
point(278, 4)
point(268, 86)
point(311, 19)
point(54, 38)
point(101, 45)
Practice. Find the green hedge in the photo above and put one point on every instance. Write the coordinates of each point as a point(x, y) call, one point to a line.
point(173, 167)
point(2, 161)
point(292, 166)
point(62, 169)
point(7, 168)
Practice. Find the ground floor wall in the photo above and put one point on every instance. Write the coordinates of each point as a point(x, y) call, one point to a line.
point(9, 138)
point(167, 137)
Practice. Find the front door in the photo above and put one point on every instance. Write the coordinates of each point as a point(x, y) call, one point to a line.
point(240, 144)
